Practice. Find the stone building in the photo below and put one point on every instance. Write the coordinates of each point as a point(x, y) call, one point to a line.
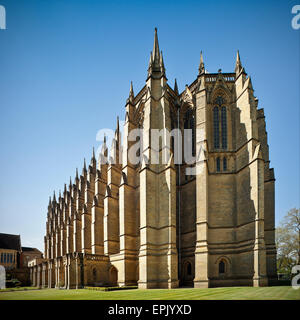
point(157, 225)
point(10, 251)
point(29, 254)
point(14, 258)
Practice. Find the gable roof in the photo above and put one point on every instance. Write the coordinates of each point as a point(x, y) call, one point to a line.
point(28, 249)
point(10, 241)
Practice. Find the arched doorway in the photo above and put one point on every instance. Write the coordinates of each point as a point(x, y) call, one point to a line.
point(187, 274)
point(113, 276)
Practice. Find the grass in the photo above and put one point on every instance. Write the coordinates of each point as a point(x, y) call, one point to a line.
point(233, 293)
point(18, 289)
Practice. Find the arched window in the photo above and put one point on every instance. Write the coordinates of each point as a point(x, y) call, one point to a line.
point(221, 267)
point(192, 125)
point(189, 123)
point(218, 164)
point(224, 127)
point(216, 128)
point(224, 164)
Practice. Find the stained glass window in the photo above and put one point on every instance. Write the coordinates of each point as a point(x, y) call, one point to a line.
point(224, 127)
point(216, 128)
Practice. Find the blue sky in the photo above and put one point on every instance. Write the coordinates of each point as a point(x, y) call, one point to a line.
point(65, 72)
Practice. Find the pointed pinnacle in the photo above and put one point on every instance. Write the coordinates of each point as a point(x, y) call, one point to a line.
point(238, 59)
point(155, 47)
point(93, 154)
point(54, 198)
point(70, 181)
point(176, 87)
point(84, 165)
point(117, 132)
point(238, 63)
point(150, 65)
point(131, 93)
point(76, 174)
point(103, 149)
point(201, 65)
point(65, 188)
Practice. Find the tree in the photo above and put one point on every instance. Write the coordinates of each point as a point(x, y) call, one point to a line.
point(288, 241)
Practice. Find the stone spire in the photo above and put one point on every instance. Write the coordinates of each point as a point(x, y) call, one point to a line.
point(84, 171)
point(201, 65)
point(54, 198)
point(93, 159)
point(131, 93)
point(238, 64)
point(103, 154)
point(155, 52)
point(117, 132)
point(115, 148)
point(65, 189)
point(76, 177)
point(156, 62)
point(176, 87)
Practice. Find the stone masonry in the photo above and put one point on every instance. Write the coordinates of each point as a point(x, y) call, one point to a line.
point(152, 224)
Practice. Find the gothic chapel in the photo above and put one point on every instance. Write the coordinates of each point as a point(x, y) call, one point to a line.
point(153, 225)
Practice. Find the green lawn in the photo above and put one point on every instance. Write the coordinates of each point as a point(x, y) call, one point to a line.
point(236, 293)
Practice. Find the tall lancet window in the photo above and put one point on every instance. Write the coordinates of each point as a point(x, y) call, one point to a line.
point(220, 124)
point(193, 127)
point(218, 164)
point(224, 164)
point(189, 123)
point(224, 127)
point(216, 128)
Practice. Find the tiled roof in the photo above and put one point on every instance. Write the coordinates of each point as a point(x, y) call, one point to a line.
point(10, 241)
point(30, 249)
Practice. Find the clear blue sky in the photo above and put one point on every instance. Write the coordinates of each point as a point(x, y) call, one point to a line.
point(65, 72)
